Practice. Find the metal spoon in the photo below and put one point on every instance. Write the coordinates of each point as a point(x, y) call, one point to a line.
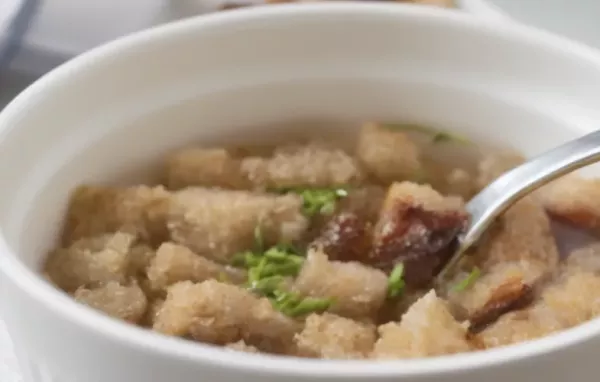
point(513, 185)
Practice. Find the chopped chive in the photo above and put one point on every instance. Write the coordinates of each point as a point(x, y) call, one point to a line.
point(443, 136)
point(468, 281)
point(259, 239)
point(267, 285)
point(395, 281)
point(309, 305)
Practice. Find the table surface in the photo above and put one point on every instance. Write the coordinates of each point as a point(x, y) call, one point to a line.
point(580, 23)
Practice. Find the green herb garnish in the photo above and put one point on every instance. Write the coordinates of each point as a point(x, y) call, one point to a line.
point(316, 200)
point(293, 305)
point(467, 281)
point(437, 135)
point(396, 282)
point(321, 201)
point(267, 271)
point(259, 239)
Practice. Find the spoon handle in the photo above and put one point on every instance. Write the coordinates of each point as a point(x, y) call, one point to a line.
point(498, 196)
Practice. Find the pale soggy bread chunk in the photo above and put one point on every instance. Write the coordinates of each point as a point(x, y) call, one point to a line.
point(210, 311)
point(219, 223)
point(522, 233)
point(91, 261)
point(95, 210)
point(220, 313)
point(586, 258)
point(574, 199)
point(357, 290)
point(269, 329)
point(174, 263)
point(209, 167)
point(426, 329)
point(311, 165)
point(572, 299)
point(421, 195)
point(125, 302)
point(242, 346)
point(333, 337)
point(387, 154)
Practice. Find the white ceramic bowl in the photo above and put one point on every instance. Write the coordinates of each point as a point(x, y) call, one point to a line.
point(237, 75)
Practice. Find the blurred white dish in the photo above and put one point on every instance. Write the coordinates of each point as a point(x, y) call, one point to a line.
point(109, 113)
point(576, 19)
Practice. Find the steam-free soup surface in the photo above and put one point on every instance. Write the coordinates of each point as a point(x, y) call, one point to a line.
point(309, 249)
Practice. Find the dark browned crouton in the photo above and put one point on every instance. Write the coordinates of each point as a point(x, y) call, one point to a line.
point(417, 227)
point(346, 238)
point(512, 295)
point(573, 298)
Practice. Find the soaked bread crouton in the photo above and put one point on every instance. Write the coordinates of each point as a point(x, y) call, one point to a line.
point(491, 167)
point(210, 311)
point(219, 223)
point(357, 290)
point(174, 263)
point(522, 233)
point(426, 329)
point(269, 329)
point(421, 195)
point(314, 164)
point(586, 258)
point(91, 261)
point(95, 210)
point(209, 167)
point(125, 302)
point(333, 337)
point(242, 346)
point(221, 313)
point(417, 227)
point(575, 200)
point(573, 299)
point(387, 154)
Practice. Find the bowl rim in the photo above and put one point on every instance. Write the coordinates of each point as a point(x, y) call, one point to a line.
point(143, 341)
